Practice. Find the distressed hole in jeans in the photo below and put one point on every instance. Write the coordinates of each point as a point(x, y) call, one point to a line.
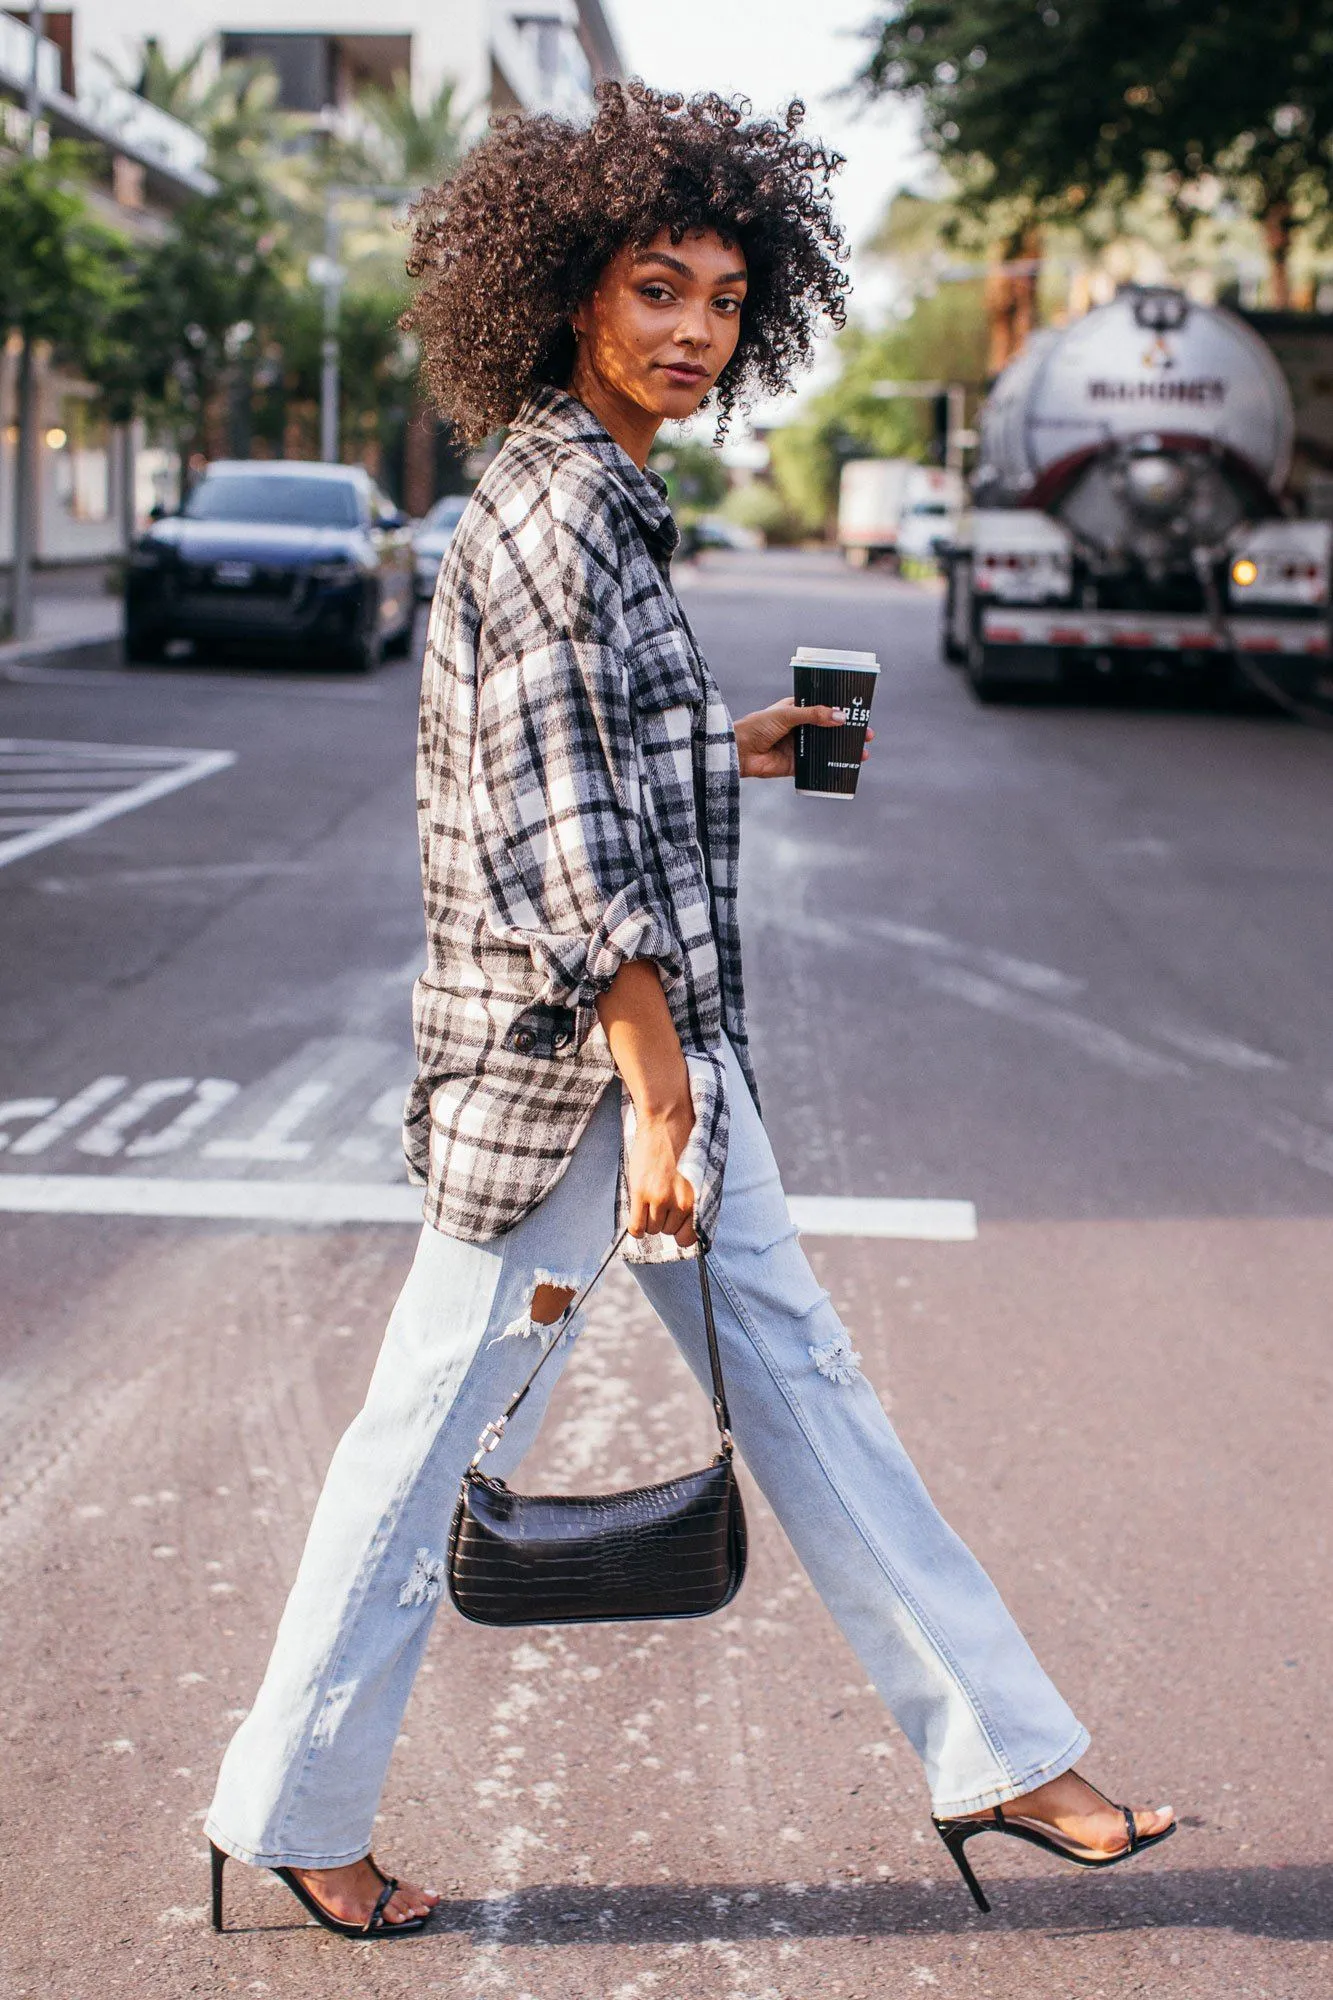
point(837, 1360)
point(425, 1580)
point(547, 1305)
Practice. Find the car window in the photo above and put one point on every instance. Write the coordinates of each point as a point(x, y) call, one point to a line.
point(272, 500)
point(446, 513)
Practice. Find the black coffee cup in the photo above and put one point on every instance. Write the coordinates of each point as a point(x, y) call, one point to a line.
point(828, 761)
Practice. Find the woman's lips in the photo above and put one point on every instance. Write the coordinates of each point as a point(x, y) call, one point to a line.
point(683, 374)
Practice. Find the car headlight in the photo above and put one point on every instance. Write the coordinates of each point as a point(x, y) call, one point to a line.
point(344, 570)
point(1244, 571)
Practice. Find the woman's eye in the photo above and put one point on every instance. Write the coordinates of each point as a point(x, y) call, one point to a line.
point(657, 293)
point(727, 305)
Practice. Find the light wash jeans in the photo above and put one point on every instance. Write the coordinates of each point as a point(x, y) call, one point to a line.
point(301, 1779)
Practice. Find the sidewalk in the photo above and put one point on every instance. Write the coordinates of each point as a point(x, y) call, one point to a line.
point(78, 624)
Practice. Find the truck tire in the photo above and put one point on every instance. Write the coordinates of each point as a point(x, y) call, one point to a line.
point(957, 616)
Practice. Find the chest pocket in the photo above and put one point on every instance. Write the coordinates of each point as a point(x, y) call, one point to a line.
point(664, 672)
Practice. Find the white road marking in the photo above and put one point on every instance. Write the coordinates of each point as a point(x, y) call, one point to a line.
point(1027, 974)
point(211, 1095)
point(1312, 1145)
point(870, 1215)
point(325, 1204)
point(23, 1107)
point(1221, 1049)
point(273, 1141)
point(101, 678)
point(107, 1136)
point(115, 779)
point(1091, 1038)
point(198, 876)
point(72, 1112)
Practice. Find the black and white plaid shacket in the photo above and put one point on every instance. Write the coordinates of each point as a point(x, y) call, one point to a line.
point(571, 742)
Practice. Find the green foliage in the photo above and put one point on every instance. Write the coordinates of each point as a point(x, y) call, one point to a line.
point(1047, 107)
point(376, 365)
point(943, 340)
point(759, 505)
point(232, 106)
point(62, 275)
point(695, 476)
point(412, 145)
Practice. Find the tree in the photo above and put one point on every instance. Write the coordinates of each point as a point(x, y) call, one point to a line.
point(1048, 107)
point(410, 144)
point(206, 300)
point(377, 364)
point(943, 340)
point(695, 475)
point(62, 277)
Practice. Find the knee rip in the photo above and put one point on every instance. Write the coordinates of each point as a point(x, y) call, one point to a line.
point(548, 1302)
point(837, 1360)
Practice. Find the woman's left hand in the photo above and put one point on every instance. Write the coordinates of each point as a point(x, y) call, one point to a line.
point(766, 742)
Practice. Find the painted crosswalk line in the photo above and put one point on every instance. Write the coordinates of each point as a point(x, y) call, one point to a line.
point(52, 791)
point(326, 1204)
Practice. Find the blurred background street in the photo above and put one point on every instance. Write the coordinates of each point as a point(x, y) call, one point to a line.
point(1040, 1019)
point(1058, 962)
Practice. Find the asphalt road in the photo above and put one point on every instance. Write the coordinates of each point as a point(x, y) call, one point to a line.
point(1069, 964)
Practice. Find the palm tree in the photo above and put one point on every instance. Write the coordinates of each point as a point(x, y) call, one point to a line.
point(415, 145)
point(232, 105)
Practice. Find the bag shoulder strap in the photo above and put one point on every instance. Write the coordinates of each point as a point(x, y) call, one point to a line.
point(493, 1432)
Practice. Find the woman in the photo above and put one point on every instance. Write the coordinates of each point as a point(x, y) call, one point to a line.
point(578, 801)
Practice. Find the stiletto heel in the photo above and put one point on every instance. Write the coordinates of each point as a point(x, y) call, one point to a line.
point(218, 1856)
point(955, 1833)
point(376, 1925)
point(955, 1837)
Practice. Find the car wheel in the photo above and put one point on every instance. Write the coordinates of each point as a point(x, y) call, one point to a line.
point(364, 655)
point(145, 645)
point(399, 643)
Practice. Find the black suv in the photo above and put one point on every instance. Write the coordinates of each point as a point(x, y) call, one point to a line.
point(304, 561)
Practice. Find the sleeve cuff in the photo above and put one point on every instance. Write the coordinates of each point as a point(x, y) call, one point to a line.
point(578, 969)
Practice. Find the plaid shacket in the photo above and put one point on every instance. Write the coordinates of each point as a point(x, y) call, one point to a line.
point(577, 795)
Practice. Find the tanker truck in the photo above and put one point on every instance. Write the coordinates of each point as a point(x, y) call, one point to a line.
point(1128, 512)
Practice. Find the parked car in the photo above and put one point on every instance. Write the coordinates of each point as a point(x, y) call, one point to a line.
point(303, 561)
point(432, 536)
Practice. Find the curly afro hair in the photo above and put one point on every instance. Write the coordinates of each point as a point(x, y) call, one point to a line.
point(509, 246)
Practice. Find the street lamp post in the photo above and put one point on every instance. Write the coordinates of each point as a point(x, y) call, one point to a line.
point(328, 272)
point(26, 490)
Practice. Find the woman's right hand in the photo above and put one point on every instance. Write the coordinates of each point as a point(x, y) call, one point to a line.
point(661, 1200)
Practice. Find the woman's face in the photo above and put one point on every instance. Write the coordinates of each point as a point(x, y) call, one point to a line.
point(663, 321)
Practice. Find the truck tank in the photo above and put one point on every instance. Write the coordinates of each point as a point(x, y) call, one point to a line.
point(1150, 428)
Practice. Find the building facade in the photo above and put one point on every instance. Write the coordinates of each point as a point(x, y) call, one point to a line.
point(501, 55)
point(92, 480)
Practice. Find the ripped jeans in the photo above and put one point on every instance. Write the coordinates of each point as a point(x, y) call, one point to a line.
point(302, 1777)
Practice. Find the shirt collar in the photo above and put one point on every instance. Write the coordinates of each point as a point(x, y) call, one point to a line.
point(553, 413)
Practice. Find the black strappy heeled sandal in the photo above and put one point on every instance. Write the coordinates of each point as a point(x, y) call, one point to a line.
point(376, 1925)
point(955, 1833)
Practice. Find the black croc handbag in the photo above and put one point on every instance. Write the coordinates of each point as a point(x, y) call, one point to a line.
point(671, 1551)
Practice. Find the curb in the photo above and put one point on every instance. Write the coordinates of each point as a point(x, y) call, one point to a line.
point(17, 659)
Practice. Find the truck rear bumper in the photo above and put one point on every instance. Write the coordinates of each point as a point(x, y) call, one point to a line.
point(1140, 632)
